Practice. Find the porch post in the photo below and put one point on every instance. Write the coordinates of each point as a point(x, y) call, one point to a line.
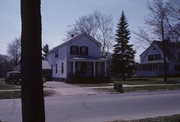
point(74, 67)
point(94, 68)
point(105, 69)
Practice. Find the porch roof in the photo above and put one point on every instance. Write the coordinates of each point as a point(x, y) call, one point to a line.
point(87, 59)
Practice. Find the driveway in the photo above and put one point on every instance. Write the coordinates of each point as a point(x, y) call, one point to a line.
point(64, 89)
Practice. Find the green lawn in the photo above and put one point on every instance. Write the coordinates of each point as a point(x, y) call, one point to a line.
point(170, 118)
point(17, 94)
point(2, 80)
point(143, 81)
point(94, 85)
point(4, 86)
point(151, 88)
point(10, 94)
point(142, 88)
point(135, 81)
point(7, 87)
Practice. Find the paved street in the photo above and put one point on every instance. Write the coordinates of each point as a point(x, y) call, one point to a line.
point(99, 108)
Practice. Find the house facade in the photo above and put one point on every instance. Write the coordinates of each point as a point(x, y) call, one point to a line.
point(78, 56)
point(151, 60)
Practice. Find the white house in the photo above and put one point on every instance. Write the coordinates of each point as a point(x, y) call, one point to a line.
point(151, 60)
point(80, 55)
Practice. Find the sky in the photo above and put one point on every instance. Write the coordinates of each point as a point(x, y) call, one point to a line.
point(57, 15)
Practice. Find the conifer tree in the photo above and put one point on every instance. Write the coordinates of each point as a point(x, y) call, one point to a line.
point(45, 50)
point(123, 53)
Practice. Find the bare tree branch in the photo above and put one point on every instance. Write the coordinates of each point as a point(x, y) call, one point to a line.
point(14, 51)
point(98, 26)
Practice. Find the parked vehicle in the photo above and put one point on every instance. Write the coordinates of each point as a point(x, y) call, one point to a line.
point(13, 77)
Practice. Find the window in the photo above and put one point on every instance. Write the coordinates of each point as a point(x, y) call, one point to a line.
point(56, 53)
point(150, 58)
point(154, 57)
point(74, 50)
point(56, 68)
point(62, 68)
point(177, 67)
point(84, 50)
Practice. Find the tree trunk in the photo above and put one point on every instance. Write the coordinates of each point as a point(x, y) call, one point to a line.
point(164, 52)
point(165, 61)
point(32, 96)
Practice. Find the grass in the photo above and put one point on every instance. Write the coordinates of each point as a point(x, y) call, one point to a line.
point(143, 88)
point(10, 94)
point(135, 81)
point(170, 118)
point(7, 87)
point(151, 88)
point(94, 85)
point(17, 94)
point(143, 81)
point(1, 80)
point(4, 86)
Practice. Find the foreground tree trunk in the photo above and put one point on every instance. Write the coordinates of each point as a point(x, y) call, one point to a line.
point(32, 95)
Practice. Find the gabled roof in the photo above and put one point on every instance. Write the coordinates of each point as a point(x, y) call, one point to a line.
point(171, 48)
point(73, 39)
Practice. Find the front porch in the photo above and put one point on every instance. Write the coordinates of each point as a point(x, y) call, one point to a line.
point(151, 69)
point(87, 67)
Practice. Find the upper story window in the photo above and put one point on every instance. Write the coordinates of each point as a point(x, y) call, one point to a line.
point(74, 50)
point(154, 57)
point(56, 54)
point(84, 50)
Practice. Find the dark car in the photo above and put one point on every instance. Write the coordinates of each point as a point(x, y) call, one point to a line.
point(13, 77)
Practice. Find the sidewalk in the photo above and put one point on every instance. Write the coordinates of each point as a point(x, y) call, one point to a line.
point(64, 89)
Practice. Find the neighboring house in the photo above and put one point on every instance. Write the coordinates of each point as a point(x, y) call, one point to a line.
point(46, 69)
point(78, 56)
point(151, 60)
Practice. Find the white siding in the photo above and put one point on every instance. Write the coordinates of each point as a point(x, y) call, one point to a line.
point(59, 73)
point(62, 56)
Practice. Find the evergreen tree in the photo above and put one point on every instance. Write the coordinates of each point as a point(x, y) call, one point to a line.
point(45, 50)
point(123, 53)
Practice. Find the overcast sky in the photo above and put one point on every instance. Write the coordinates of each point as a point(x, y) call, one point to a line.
point(58, 14)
